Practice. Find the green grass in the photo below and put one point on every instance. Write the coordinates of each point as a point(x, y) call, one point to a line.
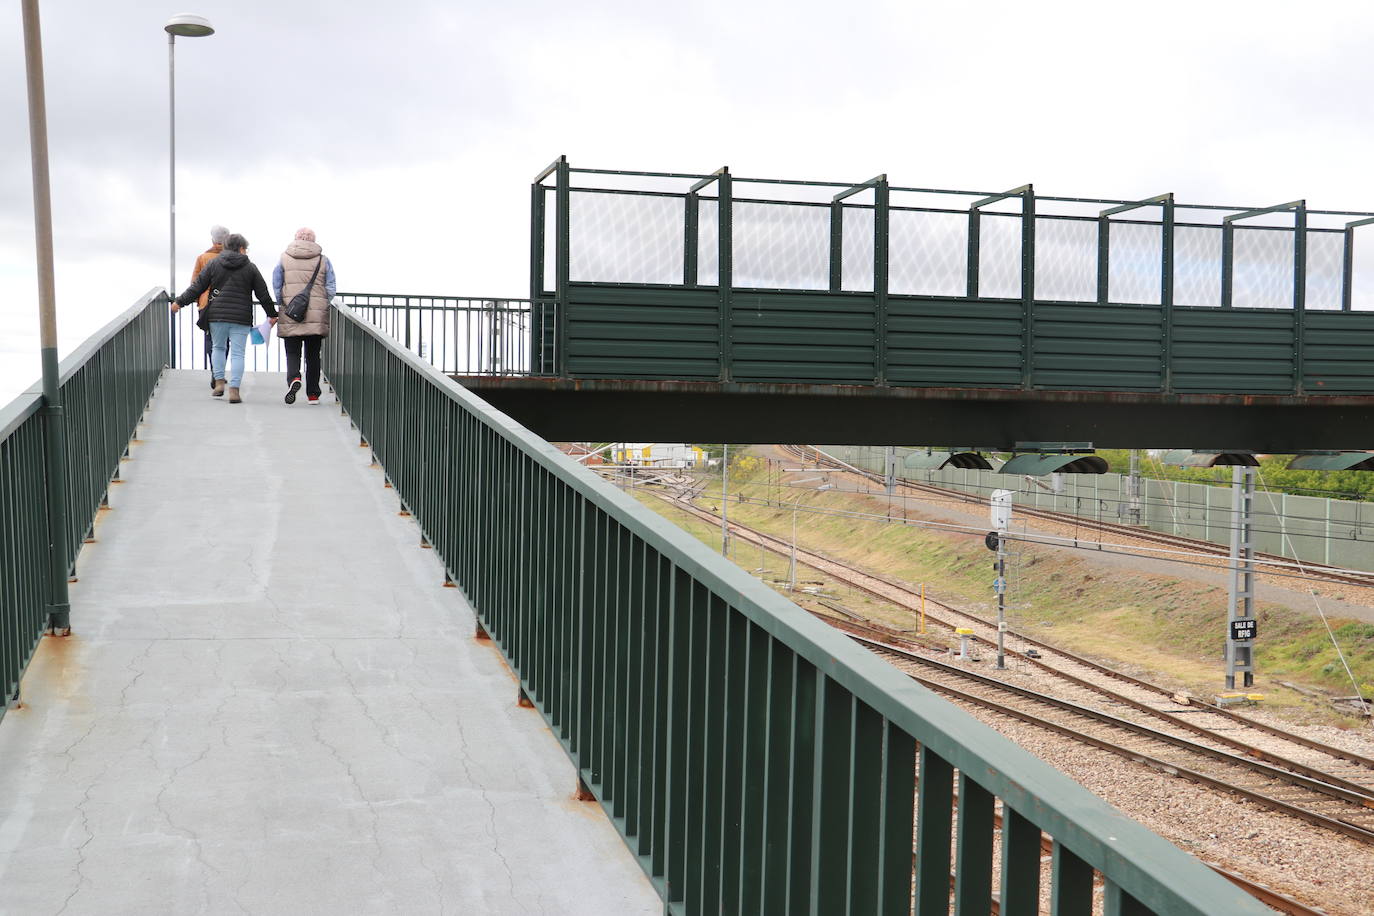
point(1172, 628)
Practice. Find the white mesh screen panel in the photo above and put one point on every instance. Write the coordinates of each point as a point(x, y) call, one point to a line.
point(1065, 259)
point(1135, 263)
point(928, 253)
point(782, 246)
point(625, 238)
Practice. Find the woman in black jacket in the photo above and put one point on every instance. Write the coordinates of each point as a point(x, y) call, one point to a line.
point(233, 281)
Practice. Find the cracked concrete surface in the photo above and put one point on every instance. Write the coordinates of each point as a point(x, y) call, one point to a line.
point(270, 704)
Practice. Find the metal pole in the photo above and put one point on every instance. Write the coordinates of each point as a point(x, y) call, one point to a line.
point(59, 604)
point(172, 186)
point(1241, 600)
point(1001, 602)
point(725, 503)
point(792, 566)
point(1133, 487)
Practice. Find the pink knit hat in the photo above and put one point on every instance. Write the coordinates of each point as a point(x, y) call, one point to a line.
point(305, 235)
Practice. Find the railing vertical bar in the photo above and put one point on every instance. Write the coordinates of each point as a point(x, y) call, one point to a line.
point(802, 793)
point(898, 830)
point(1071, 884)
point(973, 855)
point(934, 809)
point(1020, 894)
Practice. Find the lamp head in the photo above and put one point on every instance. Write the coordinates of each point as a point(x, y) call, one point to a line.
point(188, 26)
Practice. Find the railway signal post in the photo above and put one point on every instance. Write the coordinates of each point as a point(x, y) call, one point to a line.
point(996, 540)
point(1240, 630)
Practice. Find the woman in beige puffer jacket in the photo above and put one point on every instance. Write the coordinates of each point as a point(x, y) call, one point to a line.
point(292, 274)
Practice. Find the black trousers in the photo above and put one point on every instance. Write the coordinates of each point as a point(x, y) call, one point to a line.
point(311, 344)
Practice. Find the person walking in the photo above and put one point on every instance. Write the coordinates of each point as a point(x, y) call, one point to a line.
point(231, 281)
point(304, 264)
point(217, 236)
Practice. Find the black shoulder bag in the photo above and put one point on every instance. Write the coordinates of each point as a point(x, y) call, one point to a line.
point(300, 303)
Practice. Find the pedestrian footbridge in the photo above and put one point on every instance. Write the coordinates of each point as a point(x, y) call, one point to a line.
point(715, 307)
point(269, 702)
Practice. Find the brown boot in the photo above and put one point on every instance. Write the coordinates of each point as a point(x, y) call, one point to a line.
point(219, 389)
point(234, 396)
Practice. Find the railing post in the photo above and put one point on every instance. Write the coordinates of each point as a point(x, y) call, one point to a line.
point(537, 356)
point(1228, 251)
point(1028, 285)
point(561, 263)
point(1299, 293)
point(1166, 293)
point(836, 246)
point(692, 207)
point(880, 239)
point(727, 274)
point(974, 229)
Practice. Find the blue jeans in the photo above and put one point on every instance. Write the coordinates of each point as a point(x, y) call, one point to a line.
point(236, 336)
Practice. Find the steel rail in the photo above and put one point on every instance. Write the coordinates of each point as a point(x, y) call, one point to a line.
point(1334, 824)
point(910, 600)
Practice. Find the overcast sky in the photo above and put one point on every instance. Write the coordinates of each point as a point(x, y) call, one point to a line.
point(406, 133)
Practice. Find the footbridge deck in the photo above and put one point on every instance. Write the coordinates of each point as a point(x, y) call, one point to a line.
point(271, 704)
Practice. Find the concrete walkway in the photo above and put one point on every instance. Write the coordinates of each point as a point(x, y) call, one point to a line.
point(271, 705)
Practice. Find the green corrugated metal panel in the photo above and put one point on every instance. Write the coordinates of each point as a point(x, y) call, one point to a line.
point(643, 332)
point(954, 342)
point(1337, 353)
point(1239, 351)
point(791, 337)
point(1095, 347)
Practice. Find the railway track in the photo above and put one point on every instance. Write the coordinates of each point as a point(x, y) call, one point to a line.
point(1333, 788)
point(1359, 802)
point(1310, 570)
point(1179, 711)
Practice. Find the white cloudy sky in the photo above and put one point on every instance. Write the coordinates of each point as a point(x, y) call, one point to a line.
point(406, 133)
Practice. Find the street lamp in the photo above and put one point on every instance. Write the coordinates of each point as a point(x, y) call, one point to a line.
point(187, 26)
point(792, 566)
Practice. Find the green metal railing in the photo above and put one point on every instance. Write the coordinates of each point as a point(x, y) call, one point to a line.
point(105, 386)
point(754, 760)
point(465, 335)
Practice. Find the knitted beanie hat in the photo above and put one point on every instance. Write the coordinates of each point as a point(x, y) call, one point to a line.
point(305, 235)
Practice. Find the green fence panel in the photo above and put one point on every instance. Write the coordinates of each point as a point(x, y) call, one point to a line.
point(754, 759)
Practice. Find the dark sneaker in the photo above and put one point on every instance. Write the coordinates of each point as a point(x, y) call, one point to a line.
point(313, 398)
point(292, 389)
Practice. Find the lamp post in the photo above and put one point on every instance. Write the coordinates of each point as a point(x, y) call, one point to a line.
point(792, 565)
point(54, 424)
point(187, 26)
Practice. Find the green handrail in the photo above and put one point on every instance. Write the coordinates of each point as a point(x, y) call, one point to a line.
point(753, 759)
point(105, 385)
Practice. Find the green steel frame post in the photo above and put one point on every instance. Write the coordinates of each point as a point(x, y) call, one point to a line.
point(538, 361)
point(881, 214)
point(1228, 254)
point(1299, 293)
point(562, 264)
point(836, 246)
point(690, 239)
point(1028, 287)
point(725, 248)
point(55, 435)
point(1027, 194)
point(1166, 292)
point(1166, 269)
point(974, 229)
point(1348, 263)
point(880, 257)
point(727, 275)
